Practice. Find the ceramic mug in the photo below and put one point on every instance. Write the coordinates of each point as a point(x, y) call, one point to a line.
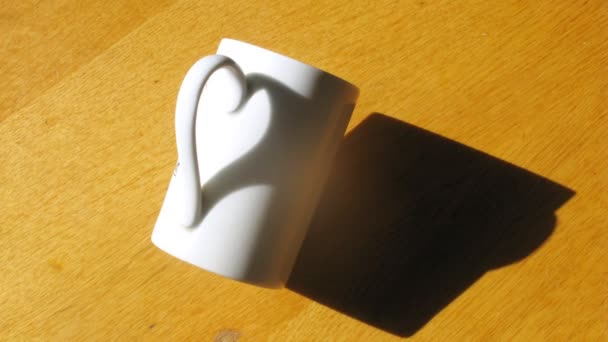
point(256, 132)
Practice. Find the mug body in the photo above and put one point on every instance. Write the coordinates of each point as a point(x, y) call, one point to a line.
point(262, 167)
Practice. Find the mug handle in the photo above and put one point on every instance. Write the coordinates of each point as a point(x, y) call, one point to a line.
point(187, 171)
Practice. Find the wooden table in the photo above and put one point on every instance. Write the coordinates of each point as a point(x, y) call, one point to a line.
point(467, 202)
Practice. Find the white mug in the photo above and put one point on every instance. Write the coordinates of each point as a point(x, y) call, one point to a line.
point(256, 132)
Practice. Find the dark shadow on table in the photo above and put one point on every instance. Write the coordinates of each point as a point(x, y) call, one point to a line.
point(409, 220)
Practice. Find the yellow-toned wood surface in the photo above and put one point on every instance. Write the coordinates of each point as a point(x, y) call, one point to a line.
point(468, 201)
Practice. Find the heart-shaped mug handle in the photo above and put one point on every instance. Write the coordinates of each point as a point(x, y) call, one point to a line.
point(186, 171)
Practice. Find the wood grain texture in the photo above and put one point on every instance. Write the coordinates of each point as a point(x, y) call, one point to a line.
point(515, 88)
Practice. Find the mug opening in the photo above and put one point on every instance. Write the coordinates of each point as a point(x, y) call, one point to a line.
point(290, 59)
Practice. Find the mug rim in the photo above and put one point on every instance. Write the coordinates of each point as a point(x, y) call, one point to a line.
point(291, 59)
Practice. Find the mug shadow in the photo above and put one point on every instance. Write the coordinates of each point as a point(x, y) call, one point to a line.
point(409, 220)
